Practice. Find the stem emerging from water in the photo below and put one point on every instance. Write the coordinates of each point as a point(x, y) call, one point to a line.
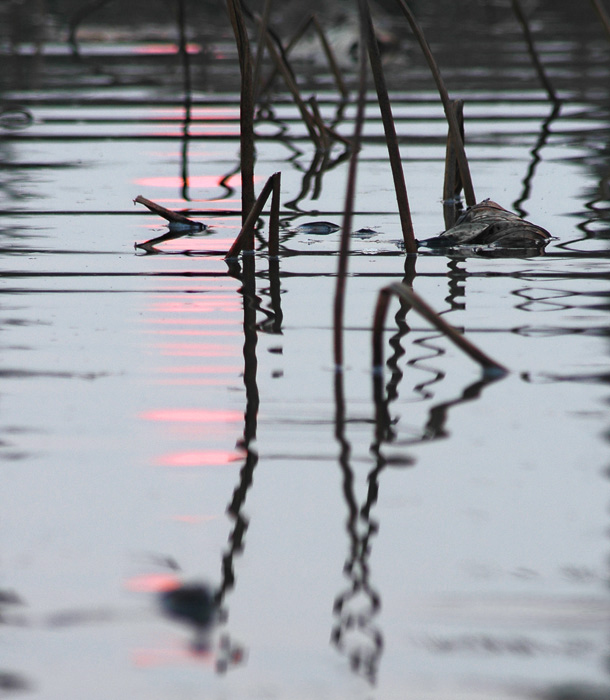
point(405, 292)
point(449, 113)
point(246, 107)
point(390, 132)
point(339, 305)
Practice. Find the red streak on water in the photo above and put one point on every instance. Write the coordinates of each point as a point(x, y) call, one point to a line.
point(190, 303)
point(150, 658)
point(222, 244)
point(198, 350)
point(192, 382)
point(202, 369)
point(164, 49)
point(201, 128)
point(202, 113)
point(200, 458)
point(191, 321)
point(206, 181)
point(194, 334)
point(197, 415)
point(194, 519)
point(152, 583)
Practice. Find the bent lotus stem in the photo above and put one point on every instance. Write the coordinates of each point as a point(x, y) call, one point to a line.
point(291, 84)
point(330, 57)
point(167, 214)
point(444, 95)
point(246, 106)
point(389, 128)
point(527, 35)
point(350, 193)
point(602, 14)
point(452, 184)
point(312, 20)
point(404, 292)
point(245, 238)
point(260, 49)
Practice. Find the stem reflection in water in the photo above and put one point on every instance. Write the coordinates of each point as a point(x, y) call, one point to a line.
point(237, 503)
point(355, 608)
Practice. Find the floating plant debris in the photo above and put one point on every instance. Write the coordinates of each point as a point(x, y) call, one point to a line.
point(9, 598)
point(177, 222)
point(319, 228)
point(13, 117)
point(489, 224)
point(364, 233)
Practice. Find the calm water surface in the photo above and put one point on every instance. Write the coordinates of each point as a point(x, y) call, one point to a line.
point(165, 419)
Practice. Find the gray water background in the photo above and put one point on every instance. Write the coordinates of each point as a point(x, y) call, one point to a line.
point(150, 432)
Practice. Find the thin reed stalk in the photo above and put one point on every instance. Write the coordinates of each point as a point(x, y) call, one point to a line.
point(527, 35)
point(188, 95)
point(245, 238)
point(339, 302)
point(326, 47)
point(288, 77)
point(330, 57)
point(315, 111)
point(246, 107)
point(442, 90)
point(452, 184)
point(406, 293)
point(318, 131)
point(274, 217)
point(291, 43)
point(602, 14)
point(385, 107)
point(260, 48)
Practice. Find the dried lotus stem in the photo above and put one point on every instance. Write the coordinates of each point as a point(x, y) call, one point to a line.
point(171, 216)
point(405, 292)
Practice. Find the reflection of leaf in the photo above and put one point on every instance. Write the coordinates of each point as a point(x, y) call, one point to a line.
point(10, 681)
point(193, 603)
point(149, 246)
point(176, 230)
point(9, 598)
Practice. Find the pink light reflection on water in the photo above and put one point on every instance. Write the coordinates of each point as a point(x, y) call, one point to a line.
point(201, 181)
point(163, 49)
point(198, 350)
point(185, 317)
point(198, 113)
point(202, 369)
point(180, 654)
point(200, 458)
point(191, 322)
point(190, 304)
point(152, 583)
point(202, 243)
point(193, 333)
point(198, 415)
